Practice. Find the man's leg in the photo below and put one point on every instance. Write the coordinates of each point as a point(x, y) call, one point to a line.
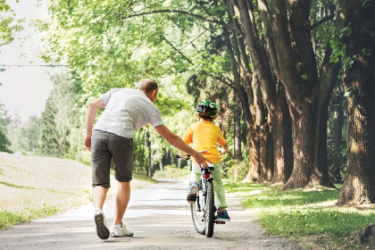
point(98, 196)
point(122, 151)
point(100, 164)
point(122, 200)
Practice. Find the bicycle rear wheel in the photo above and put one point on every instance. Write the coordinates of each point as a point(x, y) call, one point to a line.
point(198, 212)
point(210, 210)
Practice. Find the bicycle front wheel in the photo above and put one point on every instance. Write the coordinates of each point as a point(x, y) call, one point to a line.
point(210, 210)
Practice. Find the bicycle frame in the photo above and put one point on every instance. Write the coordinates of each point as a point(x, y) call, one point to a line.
point(205, 206)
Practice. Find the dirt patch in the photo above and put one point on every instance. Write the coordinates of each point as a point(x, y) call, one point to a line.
point(327, 241)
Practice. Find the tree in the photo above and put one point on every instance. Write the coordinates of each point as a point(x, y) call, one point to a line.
point(26, 137)
point(222, 47)
point(8, 25)
point(359, 187)
point(337, 157)
point(50, 137)
point(307, 89)
point(4, 122)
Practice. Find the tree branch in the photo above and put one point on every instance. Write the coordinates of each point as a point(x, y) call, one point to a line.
point(256, 50)
point(223, 81)
point(266, 18)
point(177, 50)
point(288, 72)
point(182, 31)
point(231, 27)
point(322, 21)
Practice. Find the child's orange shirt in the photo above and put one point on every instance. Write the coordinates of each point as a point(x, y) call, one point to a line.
point(204, 135)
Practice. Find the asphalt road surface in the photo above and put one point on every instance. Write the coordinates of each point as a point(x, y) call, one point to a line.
point(160, 219)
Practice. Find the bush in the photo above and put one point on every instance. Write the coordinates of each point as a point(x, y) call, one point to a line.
point(237, 171)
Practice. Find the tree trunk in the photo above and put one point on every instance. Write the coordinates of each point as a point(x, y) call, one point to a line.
point(305, 131)
point(359, 185)
point(256, 148)
point(150, 170)
point(321, 151)
point(265, 154)
point(283, 141)
point(161, 163)
point(237, 129)
point(151, 167)
point(254, 154)
point(288, 144)
point(338, 124)
point(147, 145)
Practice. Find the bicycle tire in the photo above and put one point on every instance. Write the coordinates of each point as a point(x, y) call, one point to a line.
point(210, 210)
point(196, 215)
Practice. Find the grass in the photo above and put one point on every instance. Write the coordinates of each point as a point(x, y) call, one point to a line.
point(171, 172)
point(15, 186)
point(308, 215)
point(34, 186)
point(8, 219)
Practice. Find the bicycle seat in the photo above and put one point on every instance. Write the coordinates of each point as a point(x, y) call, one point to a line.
point(210, 167)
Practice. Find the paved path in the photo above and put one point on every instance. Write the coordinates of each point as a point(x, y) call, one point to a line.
point(160, 219)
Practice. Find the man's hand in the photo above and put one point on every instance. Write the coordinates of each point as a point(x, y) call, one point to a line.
point(88, 142)
point(201, 160)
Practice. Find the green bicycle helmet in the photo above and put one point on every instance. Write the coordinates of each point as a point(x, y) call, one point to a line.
point(206, 109)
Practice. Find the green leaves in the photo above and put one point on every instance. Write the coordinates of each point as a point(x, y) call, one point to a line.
point(350, 92)
point(170, 107)
point(364, 2)
point(366, 52)
point(339, 47)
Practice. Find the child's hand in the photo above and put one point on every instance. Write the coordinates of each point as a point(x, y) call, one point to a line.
point(223, 151)
point(183, 154)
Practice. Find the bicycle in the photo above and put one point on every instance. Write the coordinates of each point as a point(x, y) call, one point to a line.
point(203, 211)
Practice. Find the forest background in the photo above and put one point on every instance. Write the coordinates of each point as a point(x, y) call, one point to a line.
point(293, 81)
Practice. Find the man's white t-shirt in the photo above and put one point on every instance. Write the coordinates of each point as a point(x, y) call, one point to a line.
point(127, 110)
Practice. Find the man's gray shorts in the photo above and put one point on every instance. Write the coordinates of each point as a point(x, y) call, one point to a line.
point(104, 147)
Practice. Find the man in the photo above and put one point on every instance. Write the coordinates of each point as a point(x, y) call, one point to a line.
point(126, 110)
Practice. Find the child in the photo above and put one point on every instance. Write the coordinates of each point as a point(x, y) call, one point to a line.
point(204, 135)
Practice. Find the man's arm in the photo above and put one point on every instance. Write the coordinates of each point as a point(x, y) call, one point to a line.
point(178, 143)
point(90, 118)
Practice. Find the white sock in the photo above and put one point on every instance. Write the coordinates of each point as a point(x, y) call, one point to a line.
point(98, 210)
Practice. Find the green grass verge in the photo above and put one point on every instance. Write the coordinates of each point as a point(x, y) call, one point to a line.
point(300, 213)
point(8, 219)
point(144, 178)
point(171, 172)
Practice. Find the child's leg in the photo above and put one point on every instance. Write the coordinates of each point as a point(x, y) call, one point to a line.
point(195, 174)
point(219, 186)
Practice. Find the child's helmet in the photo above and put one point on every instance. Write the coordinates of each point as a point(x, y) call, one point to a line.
point(206, 109)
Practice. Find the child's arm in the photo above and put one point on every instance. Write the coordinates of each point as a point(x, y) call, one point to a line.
point(225, 149)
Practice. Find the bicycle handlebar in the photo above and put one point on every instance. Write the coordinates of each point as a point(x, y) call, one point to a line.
point(188, 158)
point(210, 168)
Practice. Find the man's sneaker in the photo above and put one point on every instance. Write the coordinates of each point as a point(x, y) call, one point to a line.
point(101, 224)
point(192, 193)
point(120, 231)
point(223, 216)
